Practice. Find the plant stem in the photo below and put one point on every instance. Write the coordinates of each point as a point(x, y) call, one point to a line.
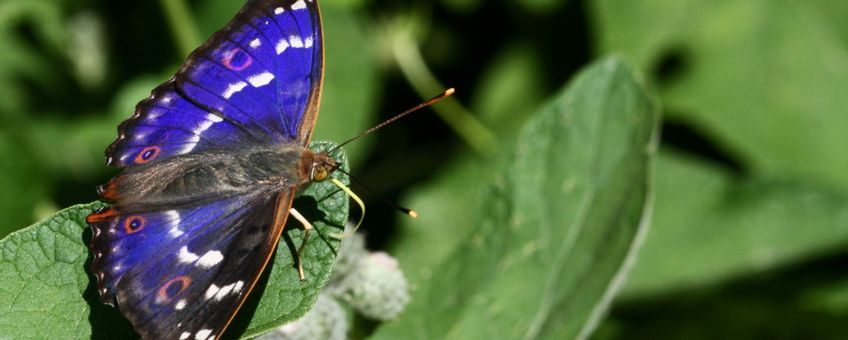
point(408, 57)
point(183, 26)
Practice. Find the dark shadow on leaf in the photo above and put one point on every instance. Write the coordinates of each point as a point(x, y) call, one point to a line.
point(248, 309)
point(308, 207)
point(106, 321)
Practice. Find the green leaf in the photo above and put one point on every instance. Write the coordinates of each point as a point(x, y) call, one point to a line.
point(444, 207)
point(47, 292)
point(551, 248)
point(720, 227)
point(505, 98)
point(766, 79)
point(43, 278)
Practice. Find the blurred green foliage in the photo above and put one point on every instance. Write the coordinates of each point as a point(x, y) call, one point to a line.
point(749, 226)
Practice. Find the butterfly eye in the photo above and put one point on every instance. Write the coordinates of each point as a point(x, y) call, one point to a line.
point(320, 173)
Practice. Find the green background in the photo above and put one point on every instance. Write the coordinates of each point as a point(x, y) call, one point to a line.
point(750, 218)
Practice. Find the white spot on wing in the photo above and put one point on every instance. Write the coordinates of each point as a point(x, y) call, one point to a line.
point(180, 304)
point(213, 289)
point(210, 259)
point(282, 46)
point(295, 41)
point(224, 291)
point(239, 286)
point(307, 42)
point(214, 118)
point(203, 334)
point(174, 217)
point(190, 144)
point(203, 126)
point(255, 43)
point(279, 10)
point(233, 89)
point(185, 335)
point(186, 256)
point(261, 79)
point(152, 115)
point(298, 5)
point(198, 130)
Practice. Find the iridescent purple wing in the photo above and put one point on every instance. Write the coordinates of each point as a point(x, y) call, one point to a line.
point(184, 272)
point(261, 68)
point(258, 80)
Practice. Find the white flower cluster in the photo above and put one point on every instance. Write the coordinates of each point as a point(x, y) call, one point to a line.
point(369, 283)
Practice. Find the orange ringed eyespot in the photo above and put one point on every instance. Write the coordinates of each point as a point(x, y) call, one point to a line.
point(134, 224)
point(147, 154)
point(236, 59)
point(173, 288)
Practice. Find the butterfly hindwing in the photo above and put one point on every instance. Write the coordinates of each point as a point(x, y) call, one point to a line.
point(184, 273)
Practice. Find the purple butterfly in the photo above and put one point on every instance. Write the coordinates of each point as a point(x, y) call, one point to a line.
point(211, 162)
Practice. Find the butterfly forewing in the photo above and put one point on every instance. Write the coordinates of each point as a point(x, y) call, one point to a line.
point(257, 80)
point(264, 68)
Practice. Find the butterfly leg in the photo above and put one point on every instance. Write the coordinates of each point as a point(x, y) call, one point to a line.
point(307, 230)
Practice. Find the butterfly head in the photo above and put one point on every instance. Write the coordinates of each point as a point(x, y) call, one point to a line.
point(317, 166)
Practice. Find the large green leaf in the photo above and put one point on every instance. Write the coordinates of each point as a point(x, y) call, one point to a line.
point(506, 97)
point(550, 250)
point(719, 227)
point(446, 216)
point(766, 78)
point(47, 290)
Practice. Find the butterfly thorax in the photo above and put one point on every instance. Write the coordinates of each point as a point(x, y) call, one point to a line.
point(194, 178)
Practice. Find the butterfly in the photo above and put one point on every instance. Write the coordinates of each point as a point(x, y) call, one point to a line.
point(211, 162)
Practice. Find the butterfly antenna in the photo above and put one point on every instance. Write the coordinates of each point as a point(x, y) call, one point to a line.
point(427, 103)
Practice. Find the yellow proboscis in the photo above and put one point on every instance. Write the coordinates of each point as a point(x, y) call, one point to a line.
point(356, 198)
